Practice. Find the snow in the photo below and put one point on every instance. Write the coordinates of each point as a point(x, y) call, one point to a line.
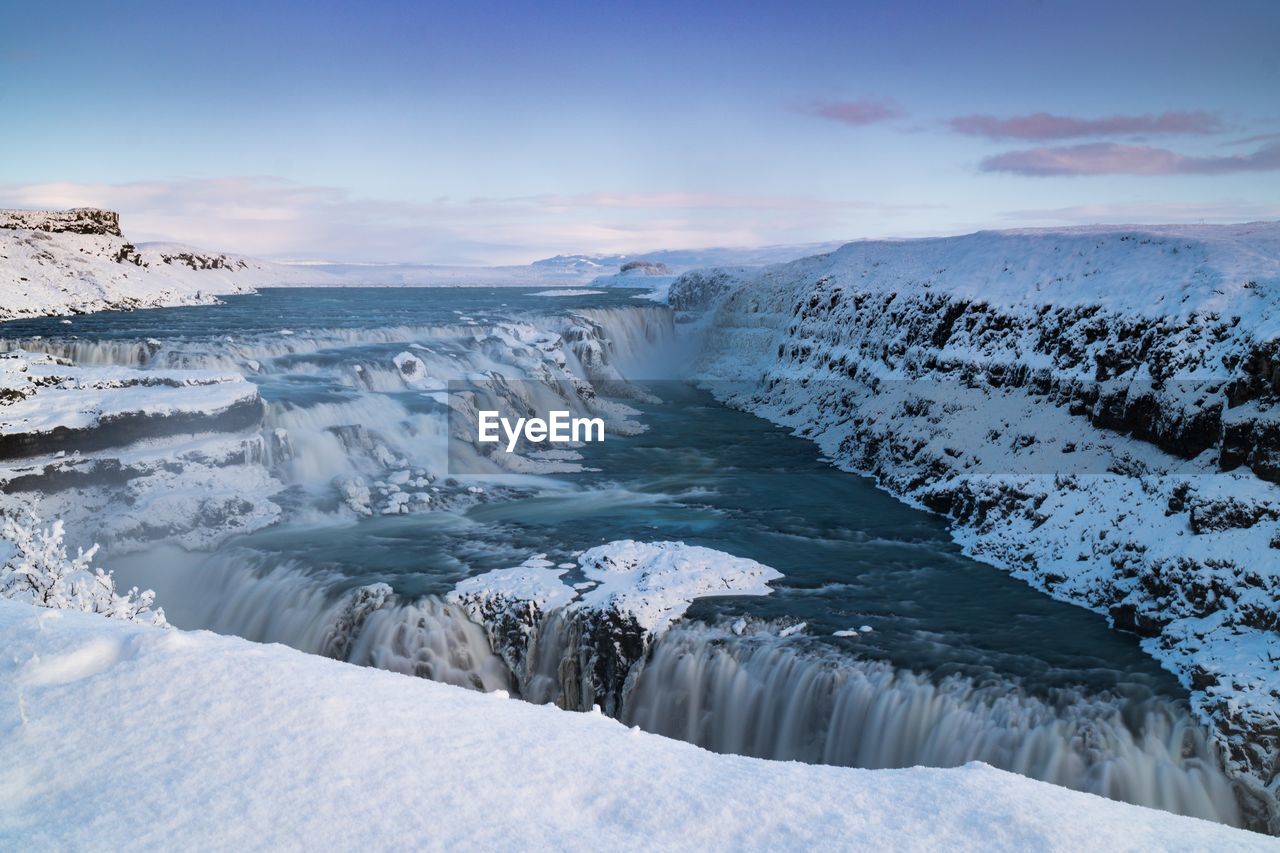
point(49, 270)
point(127, 737)
point(533, 581)
point(158, 452)
point(39, 571)
point(53, 394)
point(1105, 540)
point(568, 292)
point(73, 262)
point(653, 583)
point(657, 581)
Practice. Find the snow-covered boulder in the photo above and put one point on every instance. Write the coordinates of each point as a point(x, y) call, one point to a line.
point(602, 628)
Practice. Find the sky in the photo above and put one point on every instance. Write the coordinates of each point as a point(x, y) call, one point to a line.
point(491, 133)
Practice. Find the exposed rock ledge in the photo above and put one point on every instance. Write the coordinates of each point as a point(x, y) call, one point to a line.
point(582, 645)
point(79, 220)
point(1098, 411)
point(124, 447)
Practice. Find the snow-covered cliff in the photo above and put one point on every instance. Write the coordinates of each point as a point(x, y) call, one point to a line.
point(76, 261)
point(1095, 408)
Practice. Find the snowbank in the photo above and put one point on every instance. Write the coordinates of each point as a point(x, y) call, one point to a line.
point(153, 738)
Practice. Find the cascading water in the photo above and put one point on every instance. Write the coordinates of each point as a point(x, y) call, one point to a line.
point(757, 695)
point(753, 694)
point(241, 592)
point(356, 433)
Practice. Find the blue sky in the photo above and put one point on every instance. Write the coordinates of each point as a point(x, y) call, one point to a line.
point(501, 132)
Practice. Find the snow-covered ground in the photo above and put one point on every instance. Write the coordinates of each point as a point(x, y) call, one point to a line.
point(125, 737)
point(73, 262)
point(1093, 407)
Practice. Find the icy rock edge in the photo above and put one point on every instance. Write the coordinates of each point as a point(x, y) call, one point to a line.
point(601, 630)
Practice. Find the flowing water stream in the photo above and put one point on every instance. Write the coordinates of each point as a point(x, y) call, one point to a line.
point(960, 662)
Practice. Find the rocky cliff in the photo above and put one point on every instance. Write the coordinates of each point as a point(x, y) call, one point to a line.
point(79, 220)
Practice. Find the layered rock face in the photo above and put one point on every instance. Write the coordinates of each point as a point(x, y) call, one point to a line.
point(1096, 409)
point(585, 644)
point(147, 454)
point(80, 220)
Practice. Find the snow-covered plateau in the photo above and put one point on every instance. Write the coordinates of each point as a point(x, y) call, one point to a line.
point(1094, 409)
point(127, 737)
point(76, 261)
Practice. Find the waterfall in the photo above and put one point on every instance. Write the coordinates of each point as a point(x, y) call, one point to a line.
point(250, 595)
point(755, 694)
point(758, 695)
point(637, 341)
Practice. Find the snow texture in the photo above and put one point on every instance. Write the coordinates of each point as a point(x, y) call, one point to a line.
point(74, 262)
point(126, 737)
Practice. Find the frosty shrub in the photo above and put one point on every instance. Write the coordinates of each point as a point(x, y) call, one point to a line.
point(37, 570)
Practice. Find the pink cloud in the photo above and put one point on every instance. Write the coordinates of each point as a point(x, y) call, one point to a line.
point(860, 112)
point(1109, 158)
point(1045, 126)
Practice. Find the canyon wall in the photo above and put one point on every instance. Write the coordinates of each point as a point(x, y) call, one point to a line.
point(1095, 410)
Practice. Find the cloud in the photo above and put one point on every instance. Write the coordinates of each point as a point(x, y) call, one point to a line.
point(272, 217)
point(1253, 140)
point(1147, 212)
point(1109, 158)
point(1045, 126)
point(858, 113)
point(676, 201)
